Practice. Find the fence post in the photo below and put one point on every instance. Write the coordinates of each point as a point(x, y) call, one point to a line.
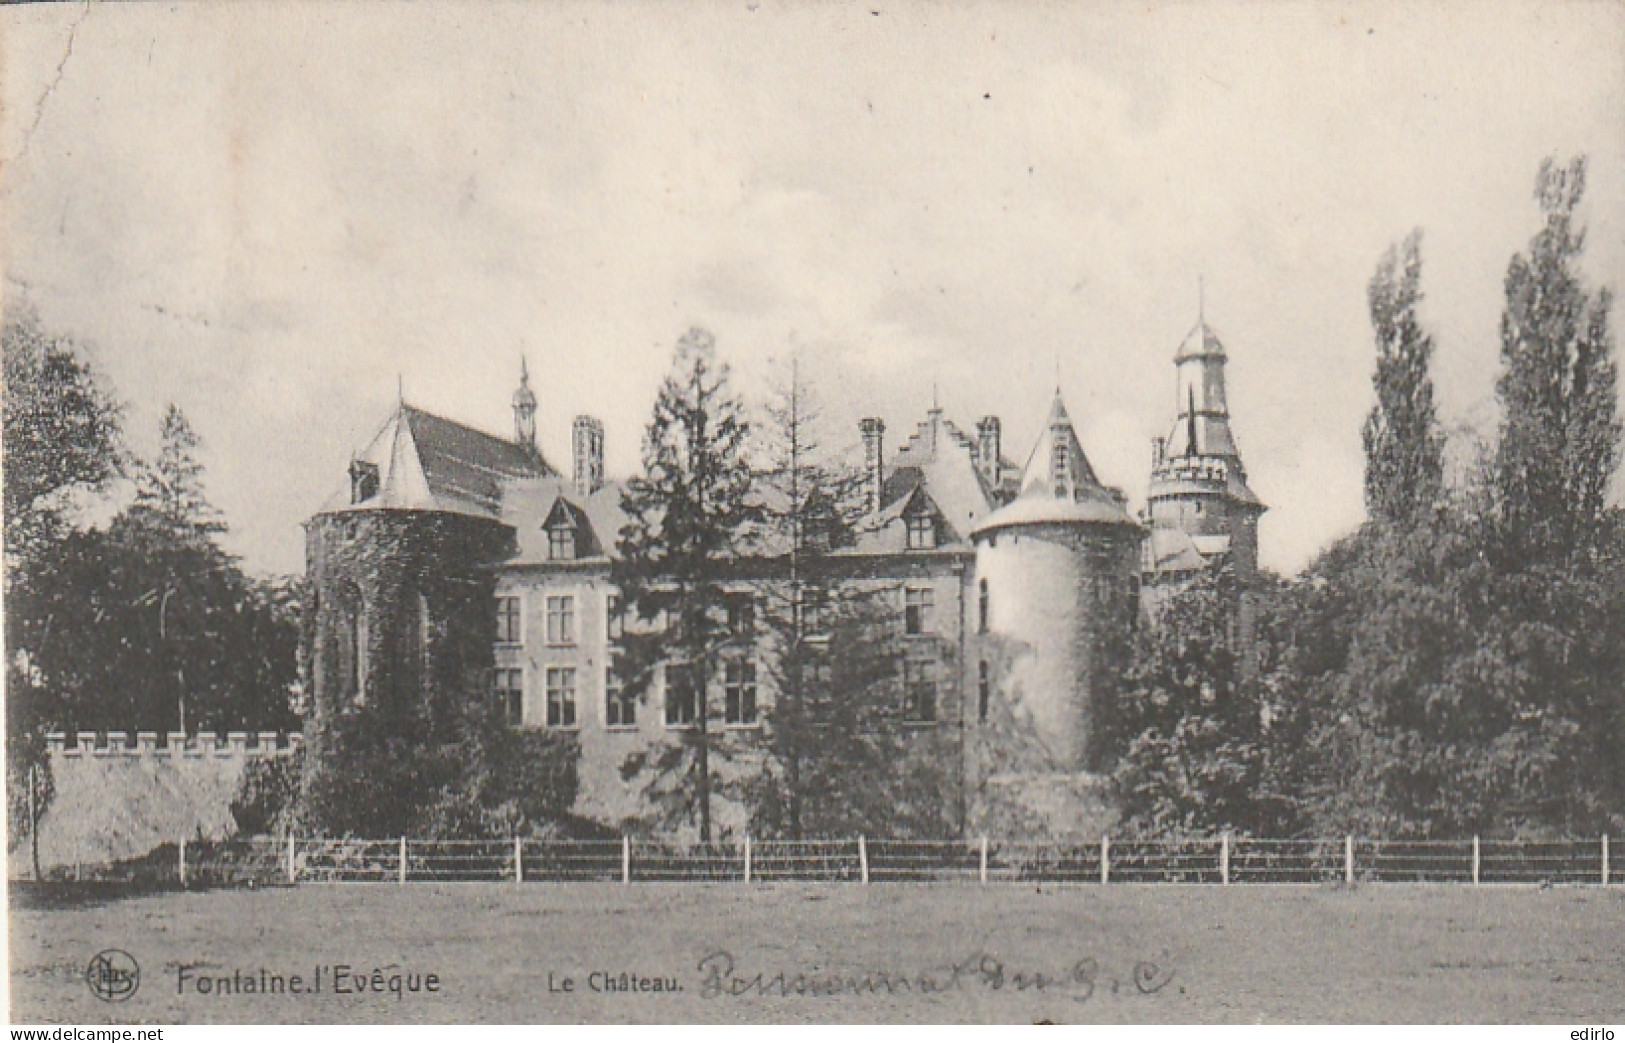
point(984, 858)
point(293, 872)
point(747, 858)
point(403, 862)
point(183, 862)
point(1605, 860)
point(1224, 858)
point(1475, 859)
point(626, 859)
point(518, 861)
point(863, 860)
point(1105, 858)
point(1348, 860)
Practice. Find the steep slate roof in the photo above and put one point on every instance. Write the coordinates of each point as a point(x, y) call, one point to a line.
point(938, 458)
point(428, 463)
point(1068, 493)
point(527, 504)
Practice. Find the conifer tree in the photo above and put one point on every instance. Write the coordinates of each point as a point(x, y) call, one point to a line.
point(689, 517)
point(1403, 446)
point(1560, 432)
point(838, 757)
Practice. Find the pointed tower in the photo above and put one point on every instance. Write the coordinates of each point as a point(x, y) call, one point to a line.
point(1057, 575)
point(1201, 509)
point(524, 413)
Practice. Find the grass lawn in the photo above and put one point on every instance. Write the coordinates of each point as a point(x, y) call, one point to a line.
point(885, 953)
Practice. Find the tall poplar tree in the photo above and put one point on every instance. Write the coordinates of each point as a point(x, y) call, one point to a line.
point(689, 517)
point(1560, 430)
point(1403, 445)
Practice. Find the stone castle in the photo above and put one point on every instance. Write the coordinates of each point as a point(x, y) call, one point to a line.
point(455, 558)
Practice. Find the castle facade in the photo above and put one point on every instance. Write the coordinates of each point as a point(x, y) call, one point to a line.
point(454, 558)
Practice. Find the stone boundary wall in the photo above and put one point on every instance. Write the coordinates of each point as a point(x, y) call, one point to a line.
point(128, 795)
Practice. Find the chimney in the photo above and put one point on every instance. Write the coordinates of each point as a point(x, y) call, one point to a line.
point(987, 449)
point(874, 459)
point(587, 450)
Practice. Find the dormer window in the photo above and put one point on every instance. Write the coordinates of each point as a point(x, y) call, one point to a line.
point(561, 543)
point(363, 481)
point(922, 531)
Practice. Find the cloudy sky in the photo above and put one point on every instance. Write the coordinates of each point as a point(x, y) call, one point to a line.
point(269, 213)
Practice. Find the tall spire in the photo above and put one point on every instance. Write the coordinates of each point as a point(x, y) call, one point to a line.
point(524, 411)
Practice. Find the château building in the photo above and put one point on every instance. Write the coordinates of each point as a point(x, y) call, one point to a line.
point(458, 559)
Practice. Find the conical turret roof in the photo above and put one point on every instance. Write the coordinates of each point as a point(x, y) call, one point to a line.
point(1058, 484)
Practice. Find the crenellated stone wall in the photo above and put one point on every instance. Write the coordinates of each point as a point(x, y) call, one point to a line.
point(121, 795)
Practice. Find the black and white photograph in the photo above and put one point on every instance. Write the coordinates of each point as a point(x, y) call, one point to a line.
point(729, 512)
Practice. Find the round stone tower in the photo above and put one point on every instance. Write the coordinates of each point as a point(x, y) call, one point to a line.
point(399, 602)
point(1057, 593)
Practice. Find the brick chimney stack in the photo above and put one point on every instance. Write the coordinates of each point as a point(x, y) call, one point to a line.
point(874, 459)
point(587, 452)
point(988, 449)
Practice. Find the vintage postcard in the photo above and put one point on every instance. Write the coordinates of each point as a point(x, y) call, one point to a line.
point(780, 512)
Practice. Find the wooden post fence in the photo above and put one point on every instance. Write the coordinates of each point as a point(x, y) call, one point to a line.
point(626, 860)
point(518, 861)
point(1605, 860)
point(293, 871)
point(863, 860)
point(1348, 860)
point(1224, 859)
point(1105, 858)
point(402, 879)
point(183, 862)
point(983, 875)
point(1475, 859)
point(747, 858)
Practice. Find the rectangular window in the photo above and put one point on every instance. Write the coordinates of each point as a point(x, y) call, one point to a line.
point(917, 605)
point(682, 696)
point(615, 618)
point(561, 543)
point(620, 709)
point(814, 608)
point(919, 690)
point(741, 614)
point(561, 620)
point(922, 532)
point(561, 697)
point(509, 624)
point(739, 694)
point(508, 689)
point(984, 692)
point(983, 603)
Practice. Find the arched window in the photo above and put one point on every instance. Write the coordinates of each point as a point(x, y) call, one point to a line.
point(353, 633)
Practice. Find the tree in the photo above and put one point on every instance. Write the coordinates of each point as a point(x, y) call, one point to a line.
point(1192, 729)
point(150, 625)
point(839, 757)
point(62, 432)
point(62, 439)
point(1404, 448)
point(444, 767)
point(1560, 433)
point(690, 516)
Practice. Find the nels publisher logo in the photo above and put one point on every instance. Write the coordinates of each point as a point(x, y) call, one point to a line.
point(113, 975)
